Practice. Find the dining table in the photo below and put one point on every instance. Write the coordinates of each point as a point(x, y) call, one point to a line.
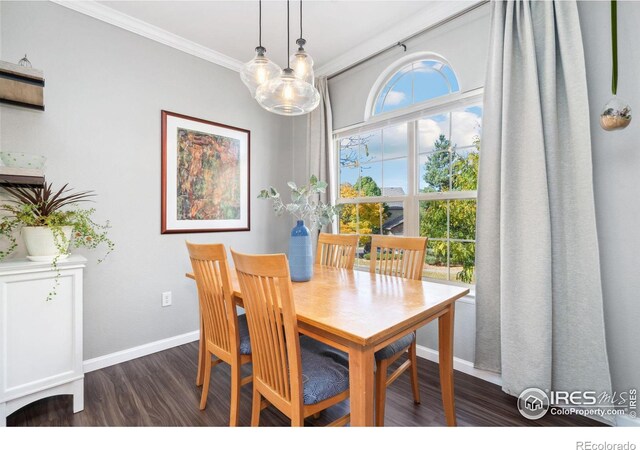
point(360, 312)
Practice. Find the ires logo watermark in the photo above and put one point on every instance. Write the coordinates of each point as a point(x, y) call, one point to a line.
point(534, 403)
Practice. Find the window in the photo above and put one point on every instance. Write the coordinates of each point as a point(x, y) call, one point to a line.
point(416, 172)
point(416, 82)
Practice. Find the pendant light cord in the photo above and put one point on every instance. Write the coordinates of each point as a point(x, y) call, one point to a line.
point(300, 19)
point(288, 38)
point(614, 45)
point(260, 23)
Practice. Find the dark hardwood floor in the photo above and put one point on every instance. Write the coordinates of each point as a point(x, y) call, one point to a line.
point(160, 390)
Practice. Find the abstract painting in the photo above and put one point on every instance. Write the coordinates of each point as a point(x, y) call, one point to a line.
point(205, 175)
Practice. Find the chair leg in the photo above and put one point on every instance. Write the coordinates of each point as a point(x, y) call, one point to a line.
point(381, 391)
point(256, 408)
point(207, 378)
point(235, 393)
point(201, 356)
point(297, 419)
point(414, 373)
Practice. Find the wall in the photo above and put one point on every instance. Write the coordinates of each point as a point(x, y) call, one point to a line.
point(349, 92)
point(104, 91)
point(616, 165)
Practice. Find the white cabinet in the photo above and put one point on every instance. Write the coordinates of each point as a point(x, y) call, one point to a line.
point(40, 339)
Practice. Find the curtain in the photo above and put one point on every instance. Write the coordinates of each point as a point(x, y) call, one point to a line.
point(320, 141)
point(539, 301)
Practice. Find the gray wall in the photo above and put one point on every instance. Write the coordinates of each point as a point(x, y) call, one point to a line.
point(104, 91)
point(616, 167)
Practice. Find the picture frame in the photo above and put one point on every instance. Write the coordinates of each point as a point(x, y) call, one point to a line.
point(205, 176)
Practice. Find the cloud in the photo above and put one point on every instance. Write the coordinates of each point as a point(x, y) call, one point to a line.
point(428, 66)
point(394, 98)
point(429, 131)
point(465, 127)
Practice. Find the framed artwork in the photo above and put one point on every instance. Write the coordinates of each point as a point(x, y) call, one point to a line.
point(205, 176)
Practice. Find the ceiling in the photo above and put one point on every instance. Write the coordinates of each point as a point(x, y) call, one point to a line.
point(338, 33)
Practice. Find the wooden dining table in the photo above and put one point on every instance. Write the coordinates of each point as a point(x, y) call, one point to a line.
point(361, 312)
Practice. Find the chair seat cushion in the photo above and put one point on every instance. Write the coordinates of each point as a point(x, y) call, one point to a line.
point(243, 331)
point(325, 371)
point(395, 347)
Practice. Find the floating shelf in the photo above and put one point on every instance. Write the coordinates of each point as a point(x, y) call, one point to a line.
point(17, 176)
point(21, 86)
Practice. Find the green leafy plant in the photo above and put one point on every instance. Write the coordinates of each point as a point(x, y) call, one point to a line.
point(45, 207)
point(305, 202)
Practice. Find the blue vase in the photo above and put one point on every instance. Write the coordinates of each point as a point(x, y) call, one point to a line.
point(300, 253)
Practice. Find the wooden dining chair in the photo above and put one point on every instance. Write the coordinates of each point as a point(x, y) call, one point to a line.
point(337, 250)
point(226, 335)
point(296, 374)
point(401, 257)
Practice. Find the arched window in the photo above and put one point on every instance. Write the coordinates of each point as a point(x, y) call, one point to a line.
point(416, 82)
point(411, 168)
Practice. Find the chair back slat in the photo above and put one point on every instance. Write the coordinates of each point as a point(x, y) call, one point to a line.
point(337, 250)
point(211, 271)
point(398, 256)
point(268, 300)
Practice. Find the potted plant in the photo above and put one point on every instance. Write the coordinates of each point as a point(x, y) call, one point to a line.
point(50, 222)
point(305, 204)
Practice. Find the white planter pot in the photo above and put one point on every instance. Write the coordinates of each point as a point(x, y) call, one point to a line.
point(41, 245)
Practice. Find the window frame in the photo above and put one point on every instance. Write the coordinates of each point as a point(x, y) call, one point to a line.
point(411, 201)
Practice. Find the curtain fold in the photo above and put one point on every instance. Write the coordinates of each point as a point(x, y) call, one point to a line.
point(321, 158)
point(539, 318)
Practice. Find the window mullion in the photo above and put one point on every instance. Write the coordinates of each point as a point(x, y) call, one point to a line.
point(411, 219)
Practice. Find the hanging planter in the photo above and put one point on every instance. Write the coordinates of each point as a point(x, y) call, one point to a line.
point(616, 114)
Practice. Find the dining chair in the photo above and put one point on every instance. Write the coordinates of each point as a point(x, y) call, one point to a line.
point(337, 250)
point(226, 335)
point(296, 374)
point(401, 257)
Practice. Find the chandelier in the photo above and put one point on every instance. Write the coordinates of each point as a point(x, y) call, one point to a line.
point(289, 92)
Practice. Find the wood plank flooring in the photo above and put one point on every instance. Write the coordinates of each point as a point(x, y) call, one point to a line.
point(160, 390)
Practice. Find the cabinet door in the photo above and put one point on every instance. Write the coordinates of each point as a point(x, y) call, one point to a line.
point(39, 334)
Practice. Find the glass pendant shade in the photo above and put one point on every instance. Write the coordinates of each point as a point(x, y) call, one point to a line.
point(287, 95)
point(258, 71)
point(302, 64)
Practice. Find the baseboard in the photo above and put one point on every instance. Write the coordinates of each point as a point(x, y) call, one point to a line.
point(460, 365)
point(136, 352)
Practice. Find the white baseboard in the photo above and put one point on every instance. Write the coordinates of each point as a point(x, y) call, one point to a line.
point(136, 352)
point(460, 365)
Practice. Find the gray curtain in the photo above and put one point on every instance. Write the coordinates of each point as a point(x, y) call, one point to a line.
point(539, 298)
point(320, 140)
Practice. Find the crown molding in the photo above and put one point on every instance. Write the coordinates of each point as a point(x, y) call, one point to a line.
point(422, 20)
point(104, 13)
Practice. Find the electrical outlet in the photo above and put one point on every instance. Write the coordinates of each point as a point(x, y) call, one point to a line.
point(166, 298)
